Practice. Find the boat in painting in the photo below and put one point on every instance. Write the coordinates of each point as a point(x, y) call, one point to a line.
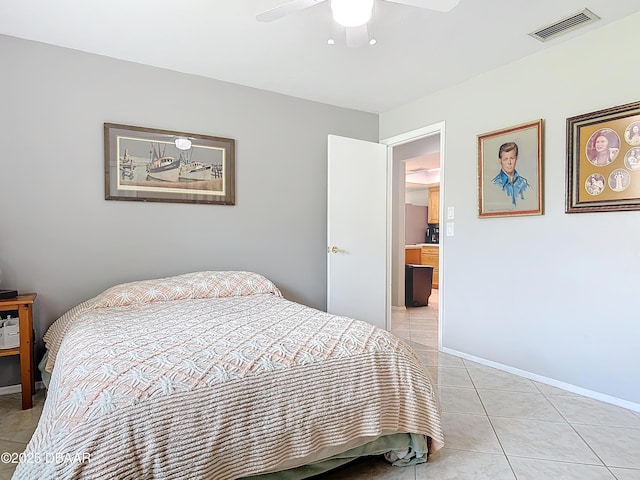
point(127, 168)
point(163, 167)
point(195, 171)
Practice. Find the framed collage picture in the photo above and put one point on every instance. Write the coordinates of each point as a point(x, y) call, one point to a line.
point(603, 160)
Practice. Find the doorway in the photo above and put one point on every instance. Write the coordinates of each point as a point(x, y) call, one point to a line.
point(415, 165)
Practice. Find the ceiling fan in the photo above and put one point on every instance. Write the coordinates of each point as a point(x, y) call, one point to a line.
point(351, 14)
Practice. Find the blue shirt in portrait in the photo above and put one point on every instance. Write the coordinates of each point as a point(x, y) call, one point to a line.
point(514, 189)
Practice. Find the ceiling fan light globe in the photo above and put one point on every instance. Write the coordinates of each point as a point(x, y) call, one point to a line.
point(182, 143)
point(351, 13)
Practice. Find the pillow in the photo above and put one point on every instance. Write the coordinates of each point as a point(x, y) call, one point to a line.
point(212, 284)
point(189, 285)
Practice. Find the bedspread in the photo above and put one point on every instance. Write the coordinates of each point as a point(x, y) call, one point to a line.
point(222, 383)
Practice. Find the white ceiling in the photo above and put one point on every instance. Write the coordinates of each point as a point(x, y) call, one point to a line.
point(422, 161)
point(418, 51)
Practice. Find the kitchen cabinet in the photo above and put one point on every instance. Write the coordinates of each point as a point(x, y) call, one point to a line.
point(412, 255)
point(434, 205)
point(429, 255)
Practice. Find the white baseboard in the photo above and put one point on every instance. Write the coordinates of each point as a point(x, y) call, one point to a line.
point(549, 381)
point(9, 389)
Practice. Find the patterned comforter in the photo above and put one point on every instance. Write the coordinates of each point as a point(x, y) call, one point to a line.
point(215, 375)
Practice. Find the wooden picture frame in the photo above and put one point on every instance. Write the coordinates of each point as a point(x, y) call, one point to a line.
point(510, 171)
point(151, 165)
point(603, 160)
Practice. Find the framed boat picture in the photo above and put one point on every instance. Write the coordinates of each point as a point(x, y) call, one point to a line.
point(151, 165)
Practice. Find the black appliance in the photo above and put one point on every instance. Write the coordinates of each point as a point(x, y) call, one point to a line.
point(433, 233)
point(417, 285)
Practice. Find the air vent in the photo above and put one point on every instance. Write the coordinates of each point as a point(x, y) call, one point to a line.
point(565, 25)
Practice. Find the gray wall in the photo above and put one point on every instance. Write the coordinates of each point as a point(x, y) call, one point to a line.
point(554, 296)
point(61, 239)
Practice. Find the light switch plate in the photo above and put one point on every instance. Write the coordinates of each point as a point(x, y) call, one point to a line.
point(450, 229)
point(450, 213)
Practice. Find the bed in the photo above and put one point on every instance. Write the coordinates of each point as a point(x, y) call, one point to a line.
point(214, 375)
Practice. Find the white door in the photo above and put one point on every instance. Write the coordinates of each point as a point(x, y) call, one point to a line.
point(357, 230)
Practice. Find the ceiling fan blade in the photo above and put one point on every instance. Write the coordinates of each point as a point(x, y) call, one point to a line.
point(285, 9)
point(357, 36)
point(437, 5)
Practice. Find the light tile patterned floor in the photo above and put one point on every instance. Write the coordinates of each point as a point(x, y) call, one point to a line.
point(497, 425)
point(17, 426)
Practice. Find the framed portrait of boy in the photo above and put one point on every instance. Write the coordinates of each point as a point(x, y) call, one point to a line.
point(510, 171)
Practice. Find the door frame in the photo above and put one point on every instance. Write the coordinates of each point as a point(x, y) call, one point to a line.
point(395, 141)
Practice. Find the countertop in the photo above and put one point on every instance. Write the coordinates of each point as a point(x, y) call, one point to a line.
point(419, 245)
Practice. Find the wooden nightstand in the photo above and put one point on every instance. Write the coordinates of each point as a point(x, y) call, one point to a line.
point(24, 305)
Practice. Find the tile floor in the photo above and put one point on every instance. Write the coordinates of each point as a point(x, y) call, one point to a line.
point(497, 425)
point(16, 426)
